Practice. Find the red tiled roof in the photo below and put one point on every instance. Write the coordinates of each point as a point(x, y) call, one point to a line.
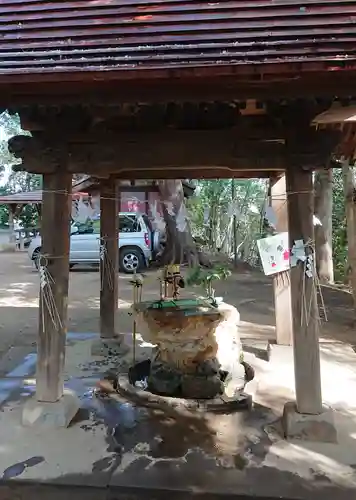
point(96, 35)
point(25, 197)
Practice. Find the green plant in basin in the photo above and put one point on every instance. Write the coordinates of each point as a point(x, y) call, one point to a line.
point(206, 278)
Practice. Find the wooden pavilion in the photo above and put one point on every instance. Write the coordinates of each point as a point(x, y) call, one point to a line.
point(173, 89)
point(141, 195)
point(16, 203)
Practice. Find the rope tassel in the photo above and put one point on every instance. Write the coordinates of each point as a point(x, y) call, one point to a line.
point(107, 265)
point(310, 272)
point(48, 302)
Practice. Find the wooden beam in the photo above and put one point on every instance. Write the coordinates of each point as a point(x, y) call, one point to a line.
point(195, 173)
point(281, 281)
point(163, 152)
point(174, 153)
point(305, 323)
point(53, 317)
point(138, 189)
point(109, 268)
point(90, 88)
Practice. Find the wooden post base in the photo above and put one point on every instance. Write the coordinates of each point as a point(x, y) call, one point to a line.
point(51, 415)
point(319, 428)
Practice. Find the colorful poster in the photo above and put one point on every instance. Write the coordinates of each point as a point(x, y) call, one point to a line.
point(274, 253)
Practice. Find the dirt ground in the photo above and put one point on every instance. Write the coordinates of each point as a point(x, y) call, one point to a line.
point(250, 292)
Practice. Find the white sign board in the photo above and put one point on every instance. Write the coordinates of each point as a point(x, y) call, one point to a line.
point(274, 253)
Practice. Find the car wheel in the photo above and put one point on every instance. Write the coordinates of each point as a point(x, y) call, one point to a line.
point(156, 240)
point(36, 257)
point(130, 260)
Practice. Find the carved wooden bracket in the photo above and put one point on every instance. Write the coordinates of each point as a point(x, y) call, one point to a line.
point(312, 148)
point(175, 153)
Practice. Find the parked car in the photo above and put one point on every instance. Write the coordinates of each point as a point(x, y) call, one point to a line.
point(137, 243)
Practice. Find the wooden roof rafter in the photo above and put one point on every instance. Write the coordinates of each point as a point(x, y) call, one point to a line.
point(253, 43)
point(69, 36)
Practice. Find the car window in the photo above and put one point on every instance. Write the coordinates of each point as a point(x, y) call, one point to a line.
point(129, 224)
point(86, 228)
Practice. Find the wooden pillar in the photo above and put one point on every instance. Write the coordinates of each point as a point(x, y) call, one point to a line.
point(305, 331)
point(12, 234)
point(109, 265)
point(55, 248)
point(281, 281)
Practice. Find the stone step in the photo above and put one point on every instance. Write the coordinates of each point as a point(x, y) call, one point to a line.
point(258, 347)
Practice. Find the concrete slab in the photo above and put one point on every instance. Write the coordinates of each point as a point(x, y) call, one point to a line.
point(44, 415)
point(131, 452)
point(259, 347)
point(109, 347)
point(81, 362)
point(18, 360)
point(60, 456)
point(36, 491)
point(338, 373)
point(320, 428)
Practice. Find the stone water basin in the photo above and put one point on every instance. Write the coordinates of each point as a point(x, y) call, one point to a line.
point(198, 349)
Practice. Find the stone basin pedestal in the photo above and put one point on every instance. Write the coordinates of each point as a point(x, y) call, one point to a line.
point(198, 349)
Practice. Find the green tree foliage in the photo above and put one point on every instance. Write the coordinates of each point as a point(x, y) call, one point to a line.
point(4, 211)
point(339, 227)
point(14, 181)
point(213, 198)
point(211, 212)
point(20, 182)
point(9, 126)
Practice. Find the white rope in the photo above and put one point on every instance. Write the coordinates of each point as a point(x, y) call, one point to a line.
point(48, 302)
point(107, 265)
point(310, 272)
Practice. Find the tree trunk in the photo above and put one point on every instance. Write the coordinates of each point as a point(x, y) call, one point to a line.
point(350, 208)
point(226, 240)
point(213, 226)
point(323, 206)
point(180, 246)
